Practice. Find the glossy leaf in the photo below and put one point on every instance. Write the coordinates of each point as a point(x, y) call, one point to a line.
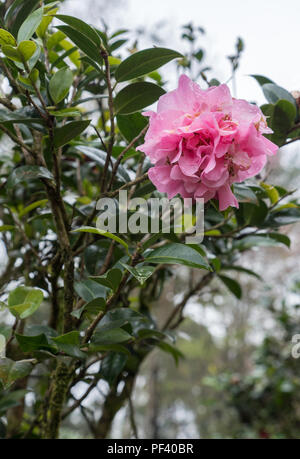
point(33, 206)
point(7, 38)
point(81, 27)
point(112, 336)
point(141, 273)
point(131, 125)
point(249, 242)
point(91, 308)
point(24, 301)
point(60, 84)
point(262, 79)
point(144, 62)
point(30, 25)
point(65, 134)
point(168, 348)
point(69, 343)
point(99, 157)
point(112, 365)
point(10, 371)
point(92, 230)
point(137, 96)
point(274, 93)
point(65, 112)
point(83, 43)
point(232, 285)
point(27, 173)
point(111, 279)
point(34, 343)
point(175, 253)
point(90, 290)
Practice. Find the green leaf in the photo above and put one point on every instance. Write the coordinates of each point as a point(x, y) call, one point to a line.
point(68, 132)
point(91, 308)
point(27, 49)
point(113, 336)
point(18, 117)
point(262, 79)
point(33, 206)
point(243, 193)
point(10, 371)
point(273, 93)
point(283, 217)
point(11, 399)
point(141, 273)
point(116, 45)
point(145, 333)
point(60, 84)
point(34, 343)
point(92, 230)
point(30, 25)
point(44, 24)
point(65, 112)
point(7, 38)
point(144, 190)
point(232, 285)
point(175, 253)
point(12, 53)
point(281, 238)
point(111, 279)
point(122, 316)
point(119, 348)
point(81, 27)
point(176, 354)
point(283, 116)
point(255, 215)
point(7, 228)
point(144, 62)
point(79, 39)
point(112, 365)
point(241, 269)
point(18, 12)
point(100, 157)
point(69, 343)
point(249, 242)
point(114, 61)
point(271, 190)
point(24, 301)
point(90, 290)
point(72, 52)
point(131, 125)
point(137, 96)
point(28, 173)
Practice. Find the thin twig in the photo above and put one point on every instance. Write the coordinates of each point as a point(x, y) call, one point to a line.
point(127, 185)
point(178, 310)
point(104, 54)
point(122, 154)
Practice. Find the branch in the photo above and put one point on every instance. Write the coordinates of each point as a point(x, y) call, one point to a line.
point(80, 400)
point(15, 138)
point(205, 280)
point(112, 194)
point(104, 54)
point(122, 154)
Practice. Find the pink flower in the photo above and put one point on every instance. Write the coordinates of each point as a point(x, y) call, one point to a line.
point(202, 141)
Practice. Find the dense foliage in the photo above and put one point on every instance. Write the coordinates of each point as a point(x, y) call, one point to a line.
point(76, 301)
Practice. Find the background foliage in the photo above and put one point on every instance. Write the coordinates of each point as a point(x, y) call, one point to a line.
point(85, 313)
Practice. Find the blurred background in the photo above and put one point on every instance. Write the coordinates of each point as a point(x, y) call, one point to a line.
point(238, 378)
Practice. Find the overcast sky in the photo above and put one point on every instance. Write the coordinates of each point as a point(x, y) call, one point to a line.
point(270, 29)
